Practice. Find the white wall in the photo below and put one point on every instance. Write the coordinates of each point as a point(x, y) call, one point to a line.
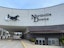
point(56, 18)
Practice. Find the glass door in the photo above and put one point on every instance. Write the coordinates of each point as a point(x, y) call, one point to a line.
point(53, 41)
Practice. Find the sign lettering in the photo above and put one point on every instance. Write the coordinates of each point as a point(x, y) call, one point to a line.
point(40, 17)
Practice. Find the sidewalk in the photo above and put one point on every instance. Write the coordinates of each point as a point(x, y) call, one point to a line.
point(28, 44)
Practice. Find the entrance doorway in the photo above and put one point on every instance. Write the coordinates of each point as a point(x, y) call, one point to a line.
point(53, 41)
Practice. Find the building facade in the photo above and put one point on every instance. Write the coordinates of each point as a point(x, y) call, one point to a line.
point(46, 25)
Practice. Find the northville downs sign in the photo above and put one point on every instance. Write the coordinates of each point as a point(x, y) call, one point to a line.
point(40, 17)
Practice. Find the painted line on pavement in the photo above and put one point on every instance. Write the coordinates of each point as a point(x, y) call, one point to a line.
point(23, 44)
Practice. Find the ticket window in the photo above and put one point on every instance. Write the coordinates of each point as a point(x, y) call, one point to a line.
point(36, 42)
point(41, 41)
point(53, 41)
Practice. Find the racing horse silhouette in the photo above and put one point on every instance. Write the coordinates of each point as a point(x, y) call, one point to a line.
point(13, 18)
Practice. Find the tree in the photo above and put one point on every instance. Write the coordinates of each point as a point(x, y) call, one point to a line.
point(62, 40)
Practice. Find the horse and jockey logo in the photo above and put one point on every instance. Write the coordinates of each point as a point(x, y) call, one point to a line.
point(14, 18)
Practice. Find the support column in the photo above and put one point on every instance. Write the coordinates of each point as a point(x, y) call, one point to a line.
point(46, 41)
point(2, 34)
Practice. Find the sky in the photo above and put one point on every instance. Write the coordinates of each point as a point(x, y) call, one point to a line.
point(29, 4)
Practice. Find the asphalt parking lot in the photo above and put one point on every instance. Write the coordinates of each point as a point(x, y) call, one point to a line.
point(10, 44)
point(23, 44)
